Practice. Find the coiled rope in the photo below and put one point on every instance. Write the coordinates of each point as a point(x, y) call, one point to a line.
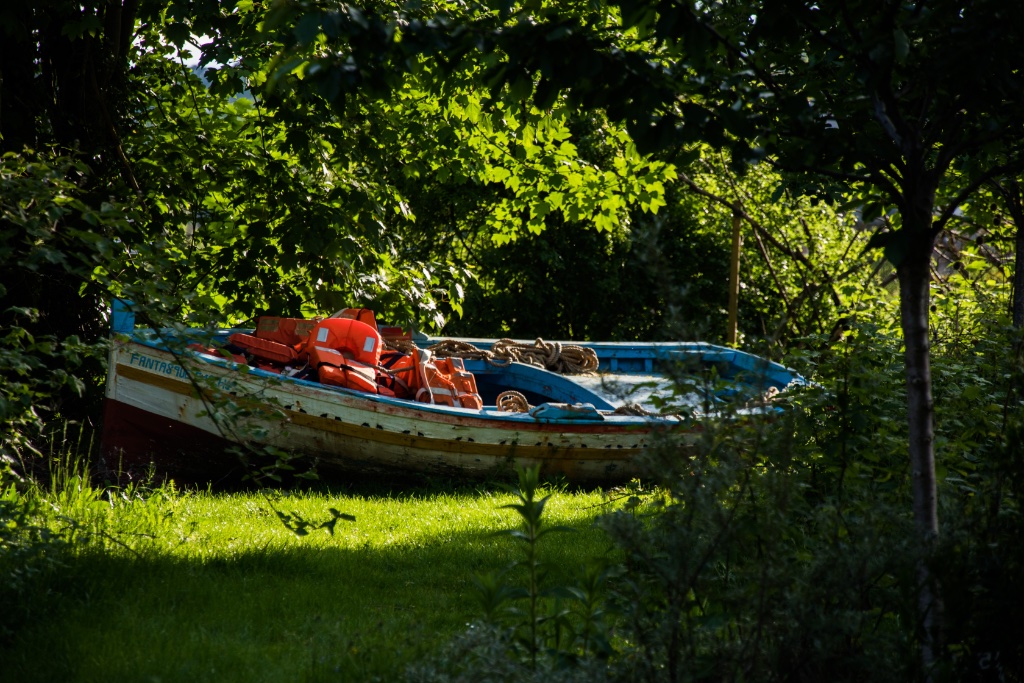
point(635, 409)
point(449, 348)
point(512, 402)
point(565, 359)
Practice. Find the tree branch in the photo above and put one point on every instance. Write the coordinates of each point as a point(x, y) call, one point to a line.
point(758, 228)
point(1009, 169)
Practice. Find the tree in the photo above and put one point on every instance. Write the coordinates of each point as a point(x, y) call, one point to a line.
point(891, 99)
point(204, 195)
point(65, 181)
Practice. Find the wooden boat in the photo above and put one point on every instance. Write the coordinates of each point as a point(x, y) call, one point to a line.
point(183, 410)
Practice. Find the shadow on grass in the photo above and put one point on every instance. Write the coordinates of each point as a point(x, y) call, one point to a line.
point(307, 612)
point(399, 486)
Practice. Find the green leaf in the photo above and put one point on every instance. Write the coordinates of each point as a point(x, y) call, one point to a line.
point(177, 33)
point(308, 28)
point(901, 45)
point(893, 243)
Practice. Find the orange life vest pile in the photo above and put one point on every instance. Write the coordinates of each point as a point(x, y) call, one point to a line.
point(346, 350)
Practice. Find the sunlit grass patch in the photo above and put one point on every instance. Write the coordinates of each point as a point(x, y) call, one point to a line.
point(187, 586)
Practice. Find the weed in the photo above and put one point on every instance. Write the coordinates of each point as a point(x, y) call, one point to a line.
point(540, 629)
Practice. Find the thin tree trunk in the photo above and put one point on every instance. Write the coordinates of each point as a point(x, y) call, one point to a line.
point(1009, 191)
point(914, 278)
point(1018, 276)
point(1014, 203)
point(734, 281)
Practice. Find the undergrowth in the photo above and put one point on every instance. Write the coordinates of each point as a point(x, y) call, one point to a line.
point(778, 547)
point(782, 548)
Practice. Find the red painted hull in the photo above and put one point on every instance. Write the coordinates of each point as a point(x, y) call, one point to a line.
point(137, 444)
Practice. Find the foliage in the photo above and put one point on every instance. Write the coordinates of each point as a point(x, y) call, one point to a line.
point(366, 164)
point(247, 195)
point(640, 281)
point(28, 551)
point(49, 519)
point(482, 654)
point(979, 381)
point(780, 549)
point(46, 232)
point(262, 217)
point(564, 619)
point(990, 228)
point(771, 550)
point(434, 159)
point(888, 103)
point(797, 251)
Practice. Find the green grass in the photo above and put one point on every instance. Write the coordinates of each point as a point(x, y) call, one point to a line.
point(205, 586)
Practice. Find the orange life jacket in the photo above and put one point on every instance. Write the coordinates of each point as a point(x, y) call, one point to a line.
point(445, 381)
point(363, 315)
point(264, 348)
point(335, 368)
point(290, 331)
point(360, 340)
point(398, 373)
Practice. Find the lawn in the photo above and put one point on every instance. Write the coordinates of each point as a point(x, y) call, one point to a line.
point(207, 586)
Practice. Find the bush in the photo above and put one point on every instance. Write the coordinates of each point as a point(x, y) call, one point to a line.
point(781, 547)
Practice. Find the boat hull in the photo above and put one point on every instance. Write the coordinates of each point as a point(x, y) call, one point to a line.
point(183, 412)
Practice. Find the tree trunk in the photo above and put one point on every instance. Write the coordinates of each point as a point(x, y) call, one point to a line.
point(1009, 191)
point(914, 278)
point(1014, 203)
point(61, 94)
point(1018, 276)
point(731, 332)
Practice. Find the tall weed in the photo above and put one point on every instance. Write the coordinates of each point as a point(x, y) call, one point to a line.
point(48, 521)
point(542, 630)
